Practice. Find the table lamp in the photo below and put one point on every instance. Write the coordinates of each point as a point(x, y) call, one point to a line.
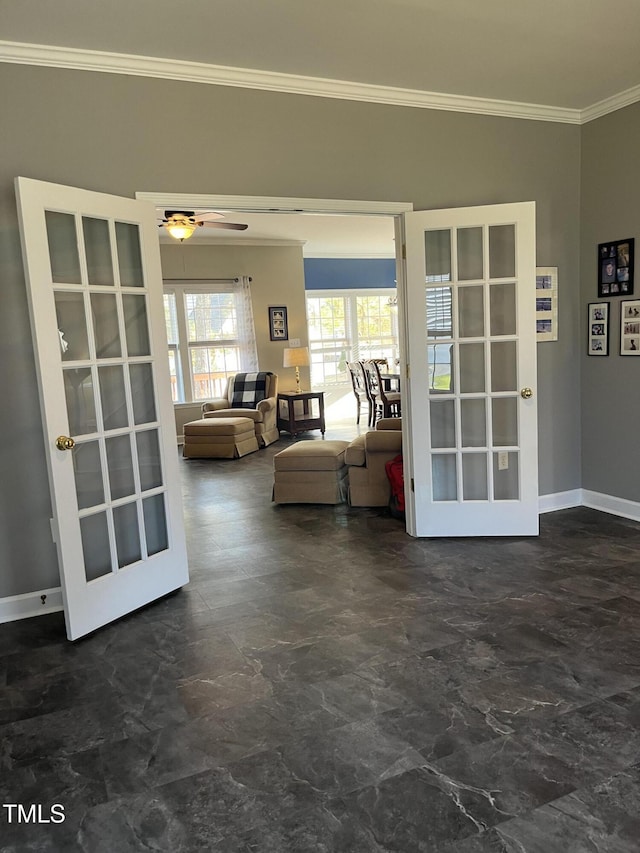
point(296, 357)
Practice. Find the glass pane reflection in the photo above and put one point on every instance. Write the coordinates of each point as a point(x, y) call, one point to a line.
point(472, 368)
point(443, 470)
point(471, 311)
point(129, 255)
point(142, 393)
point(87, 469)
point(97, 246)
point(155, 524)
point(443, 423)
point(470, 254)
point(105, 325)
point(125, 521)
point(474, 477)
point(502, 251)
point(437, 251)
point(120, 465)
point(506, 481)
point(135, 324)
point(95, 546)
point(63, 247)
point(81, 405)
point(112, 396)
point(440, 366)
point(149, 459)
point(439, 312)
point(72, 325)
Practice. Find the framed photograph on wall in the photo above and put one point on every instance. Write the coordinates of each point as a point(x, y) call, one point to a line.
point(615, 268)
point(546, 303)
point(630, 327)
point(278, 326)
point(598, 328)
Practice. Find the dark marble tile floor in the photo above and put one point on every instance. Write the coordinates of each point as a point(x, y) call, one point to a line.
point(326, 684)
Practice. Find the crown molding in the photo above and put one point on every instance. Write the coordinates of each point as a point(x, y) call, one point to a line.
point(610, 105)
point(219, 75)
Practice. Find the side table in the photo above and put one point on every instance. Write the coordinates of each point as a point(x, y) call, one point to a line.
point(301, 412)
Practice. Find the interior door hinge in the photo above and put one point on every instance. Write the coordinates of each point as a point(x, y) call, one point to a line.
point(404, 251)
point(408, 371)
point(413, 485)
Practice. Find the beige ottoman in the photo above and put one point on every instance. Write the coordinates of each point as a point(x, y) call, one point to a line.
point(219, 438)
point(311, 472)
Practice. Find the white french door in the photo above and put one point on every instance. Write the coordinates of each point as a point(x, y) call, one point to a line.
point(92, 266)
point(471, 348)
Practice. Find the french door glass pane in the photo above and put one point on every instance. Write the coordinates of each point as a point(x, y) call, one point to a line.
point(142, 393)
point(72, 325)
point(471, 311)
point(129, 256)
point(502, 306)
point(474, 477)
point(120, 466)
point(81, 404)
point(87, 469)
point(135, 324)
point(439, 312)
point(105, 325)
point(440, 362)
point(125, 522)
point(503, 366)
point(112, 396)
point(470, 254)
point(502, 251)
point(443, 469)
point(505, 421)
point(473, 423)
point(149, 459)
point(97, 246)
point(155, 524)
point(506, 482)
point(63, 248)
point(472, 368)
point(443, 423)
point(437, 250)
point(95, 546)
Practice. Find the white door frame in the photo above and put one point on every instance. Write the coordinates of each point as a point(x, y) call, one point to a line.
point(338, 207)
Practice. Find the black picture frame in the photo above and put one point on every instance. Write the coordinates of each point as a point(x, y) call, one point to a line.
point(598, 328)
point(615, 268)
point(278, 323)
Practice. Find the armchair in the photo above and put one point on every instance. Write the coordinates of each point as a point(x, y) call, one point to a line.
point(366, 457)
point(263, 413)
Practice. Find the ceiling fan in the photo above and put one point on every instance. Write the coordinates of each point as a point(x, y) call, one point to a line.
point(182, 223)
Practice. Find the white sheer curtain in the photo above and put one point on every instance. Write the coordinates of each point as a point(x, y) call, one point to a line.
point(246, 328)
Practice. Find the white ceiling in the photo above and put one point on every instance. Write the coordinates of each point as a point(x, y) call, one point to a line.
point(563, 53)
point(321, 236)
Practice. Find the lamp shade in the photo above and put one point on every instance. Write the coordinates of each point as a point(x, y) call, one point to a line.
point(296, 357)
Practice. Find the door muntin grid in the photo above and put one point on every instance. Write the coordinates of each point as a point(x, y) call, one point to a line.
point(472, 352)
point(102, 313)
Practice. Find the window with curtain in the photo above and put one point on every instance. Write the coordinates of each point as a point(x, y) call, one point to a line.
point(210, 335)
point(349, 325)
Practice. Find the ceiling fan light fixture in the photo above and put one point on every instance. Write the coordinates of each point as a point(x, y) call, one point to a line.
point(180, 229)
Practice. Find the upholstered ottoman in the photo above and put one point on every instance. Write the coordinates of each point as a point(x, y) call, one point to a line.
point(219, 438)
point(311, 472)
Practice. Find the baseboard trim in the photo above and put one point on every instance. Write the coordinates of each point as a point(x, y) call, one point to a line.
point(611, 504)
point(559, 500)
point(30, 604)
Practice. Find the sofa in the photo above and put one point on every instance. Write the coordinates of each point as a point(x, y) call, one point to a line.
point(365, 458)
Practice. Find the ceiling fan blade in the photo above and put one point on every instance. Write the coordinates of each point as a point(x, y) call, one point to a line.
point(207, 215)
point(228, 226)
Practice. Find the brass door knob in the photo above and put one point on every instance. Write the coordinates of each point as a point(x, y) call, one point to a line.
point(65, 442)
point(526, 393)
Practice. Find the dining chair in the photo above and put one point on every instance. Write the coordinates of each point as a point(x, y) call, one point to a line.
point(386, 404)
point(360, 390)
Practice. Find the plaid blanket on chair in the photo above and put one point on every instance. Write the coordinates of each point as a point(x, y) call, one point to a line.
point(248, 389)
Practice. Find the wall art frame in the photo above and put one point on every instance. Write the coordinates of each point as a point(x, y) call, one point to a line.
point(630, 327)
point(278, 323)
point(598, 328)
point(546, 304)
point(615, 268)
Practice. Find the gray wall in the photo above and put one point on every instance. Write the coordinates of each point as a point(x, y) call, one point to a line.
point(120, 134)
point(610, 386)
